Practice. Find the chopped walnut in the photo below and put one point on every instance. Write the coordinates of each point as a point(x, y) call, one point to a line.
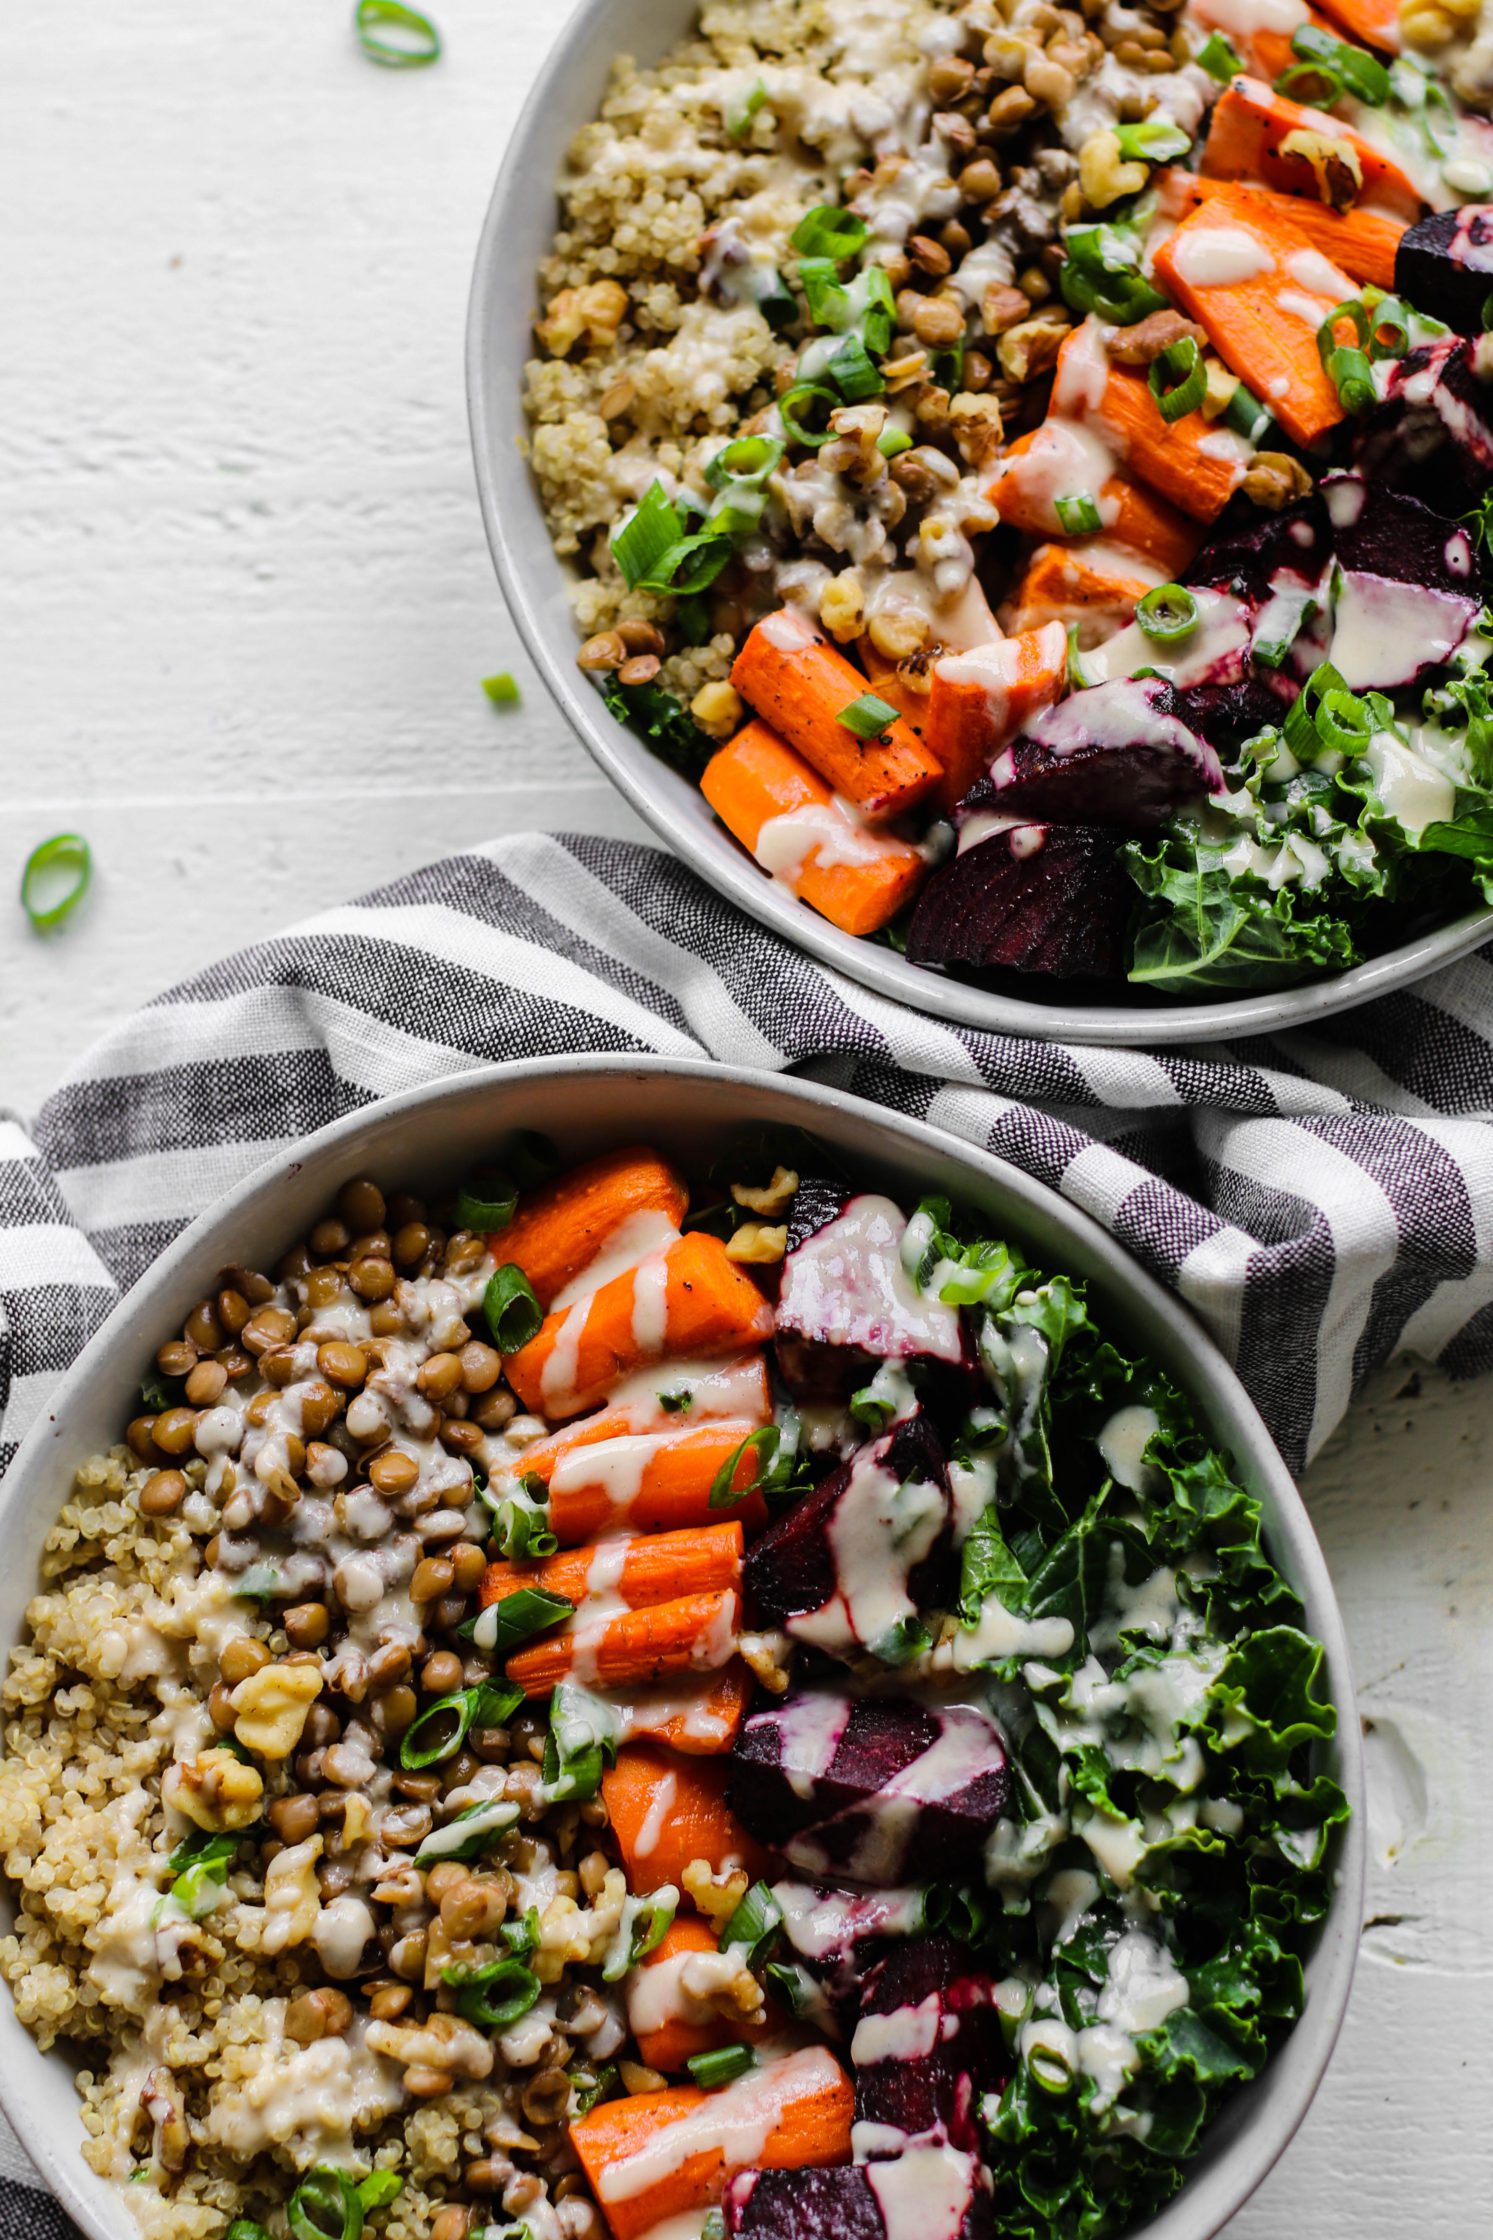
point(292, 1896)
point(271, 1707)
point(1031, 349)
point(442, 2049)
point(1145, 341)
point(758, 1244)
point(717, 1897)
point(1275, 480)
point(770, 1657)
point(977, 427)
point(215, 1791)
point(772, 1197)
point(1334, 165)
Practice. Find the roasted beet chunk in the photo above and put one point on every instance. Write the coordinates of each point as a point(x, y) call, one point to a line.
point(1247, 550)
point(927, 2049)
point(1434, 430)
point(1405, 598)
point(1118, 754)
point(1442, 266)
point(859, 1556)
point(856, 1787)
point(816, 1203)
point(847, 1304)
point(1037, 898)
point(934, 2193)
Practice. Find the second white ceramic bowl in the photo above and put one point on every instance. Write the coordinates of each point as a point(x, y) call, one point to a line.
point(433, 1134)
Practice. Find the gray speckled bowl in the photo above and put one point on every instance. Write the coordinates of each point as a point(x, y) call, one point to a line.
point(432, 1133)
point(520, 225)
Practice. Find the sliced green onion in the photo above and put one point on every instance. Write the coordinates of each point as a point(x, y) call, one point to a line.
point(486, 1203)
point(754, 1924)
point(828, 231)
point(1342, 723)
point(1079, 515)
point(495, 1996)
point(504, 1625)
point(585, 2097)
point(901, 1642)
point(852, 372)
point(791, 1980)
point(723, 2065)
point(1078, 676)
point(444, 1725)
point(325, 2206)
point(828, 298)
point(1153, 140)
point(747, 459)
point(1168, 613)
point(1327, 340)
point(419, 45)
point(893, 441)
point(1245, 414)
point(584, 1732)
point(242, 2228)
point(1358, 73)
point(66, 855)
point(690, 565)
point(1352, 376)
point(1218, 58)
point(1316, 83)
point(650, 530)
point(502, 690)
point(676, 1403)
point(519, 1526)
point(1177, 379)
point(742, 107)
point(645, 1924)
point(811, 438)
point(867, 716)
point(379, 2188)
point(762, 1445)
point(1300, 727)
point(470, 1832)
point(878, 321)
point(1389, 325)
point(513, 1313)
point(522, 1936)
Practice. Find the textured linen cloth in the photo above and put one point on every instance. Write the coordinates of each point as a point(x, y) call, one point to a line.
point(1319, 1198)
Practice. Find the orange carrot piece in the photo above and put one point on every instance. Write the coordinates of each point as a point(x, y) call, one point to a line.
point(666, 1809)
point(694, 1633)
point(602, 1473)
point(980, 700)
point(673, 2039)
point(650, 1567)
point(887, 681)
point(1263, 324)
point(687, 2143)
point(1375, 23)
point(1252, 136)
point(1195, 465)
point(857, 878)
point(689, 1300)
point(1023, 487)
point(561, 1226)
point(801, 685)
point(701, 1718)
point(1094, 584)
point(1362, 241)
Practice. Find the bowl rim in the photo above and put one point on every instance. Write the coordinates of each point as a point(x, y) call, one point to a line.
point(517, 534)
point(1266, 2121)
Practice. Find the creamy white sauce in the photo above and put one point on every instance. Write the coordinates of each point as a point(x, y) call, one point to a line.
point(737, 2122)
point(1219, 256)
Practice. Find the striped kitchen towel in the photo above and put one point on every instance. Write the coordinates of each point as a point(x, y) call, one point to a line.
point(1320, 1199)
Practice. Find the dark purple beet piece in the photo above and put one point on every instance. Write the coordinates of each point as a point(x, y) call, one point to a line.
point(790, 1572)
point(1434, 429)
point(938, 2196)
point(816, 1203)
point(1388, 533)
point(1244, 555)
point(1226, 713)
point(1444, 266)
point(846, 1304)
point(928, 2046)
point(858, 1787)
point(1037, 898)
point(1118, 754)
point(1405, 598)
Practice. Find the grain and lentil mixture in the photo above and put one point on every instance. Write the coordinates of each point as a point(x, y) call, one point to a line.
point(918, 379)
point(566, 1712)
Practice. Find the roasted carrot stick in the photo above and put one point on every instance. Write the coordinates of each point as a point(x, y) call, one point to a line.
point(1376, 23)
point(1258, 288)
point(700, 1716)
point(560, 1227)
point(1258, 134)
point(670, 2018)
point(1197, 466)
point(786, 816)
point(1362, 241)
point(689, 1299)
point(907, 695)
point(801, 685)
point(1093, 584)
point(980, 700)
point(659, 2155)
point(600, 1474)
point(667, 1810)
point(643, 1569)
point(695, 1633)
point(1048, 463)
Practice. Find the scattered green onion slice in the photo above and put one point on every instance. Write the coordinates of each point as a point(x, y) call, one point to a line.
point(762, 1445)
point(1343, 722)
point(742, 107)
point(1153, 140)
point(494, 1996)
point(1245, 414)
point(486, 1203)
point(242, 2228)
point(444, 1725)
point(1168, 613)
point(788, 413)
point(852, 372)
point(828, 231)
point(1177, 380)
point(867, 716)
point(1353, 377)
point(1327, 337)
point(325, 2206)
point(723, 2065)
point(379, 2188)
point(646, 535)
point(754, 1924)
point(1316, 83)
point(689, 565)
point(1078, 676)
point(1389, 325)
point(1357, 73)
point(746, 459)
point(502, 690)
point(676, 1403)
point(513, 1313)
point(505, 1625)
point(1079, 515)
point(583, 1733)
point(66, 854)
point(420, 45)
point(893, 441)
point(1218, 58)
point(585, 2097)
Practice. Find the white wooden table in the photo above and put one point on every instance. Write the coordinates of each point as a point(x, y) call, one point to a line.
point(245, 605)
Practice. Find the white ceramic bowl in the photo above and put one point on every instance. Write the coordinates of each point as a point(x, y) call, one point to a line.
point(432, 1134)
point(520, 226)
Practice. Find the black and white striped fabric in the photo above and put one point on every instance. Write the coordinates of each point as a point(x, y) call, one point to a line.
point(1318, 1199)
